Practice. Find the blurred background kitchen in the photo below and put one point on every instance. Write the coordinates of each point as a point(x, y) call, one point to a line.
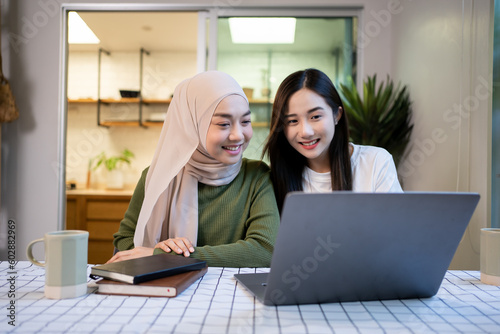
point(151, 53)
point(73, 118)
point(120, 82)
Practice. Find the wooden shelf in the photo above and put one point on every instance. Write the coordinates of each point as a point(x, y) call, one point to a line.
point(150, 101)
point(131, 123)
point(146, 101)
point(156, 101)
point(82, 101)
point(136, 100)
point(152, 123)
point(123, 100)
point(160, 123)
point(120, 123)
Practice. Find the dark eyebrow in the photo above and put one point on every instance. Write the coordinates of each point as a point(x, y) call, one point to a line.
point(309, 111)
point(230, 115)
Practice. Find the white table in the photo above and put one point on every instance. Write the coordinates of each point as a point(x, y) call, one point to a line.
point(216, 304)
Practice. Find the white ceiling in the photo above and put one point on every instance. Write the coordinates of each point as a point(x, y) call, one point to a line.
point(177, 31)
point(131, 31)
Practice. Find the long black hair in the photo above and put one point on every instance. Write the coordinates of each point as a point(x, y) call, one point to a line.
point(287, 165)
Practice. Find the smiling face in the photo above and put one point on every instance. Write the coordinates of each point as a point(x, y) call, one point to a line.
point(310, 127)
point(230, 130)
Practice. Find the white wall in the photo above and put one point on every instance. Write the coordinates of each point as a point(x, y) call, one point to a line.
point(31, 35)
point(444, 56)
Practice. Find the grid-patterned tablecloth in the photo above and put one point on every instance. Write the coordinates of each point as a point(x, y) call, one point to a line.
point(216, 304)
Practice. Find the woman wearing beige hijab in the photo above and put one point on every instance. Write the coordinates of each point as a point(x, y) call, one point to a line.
point(199, 197)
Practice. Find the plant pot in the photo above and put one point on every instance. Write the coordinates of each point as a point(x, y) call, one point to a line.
point(114, 179)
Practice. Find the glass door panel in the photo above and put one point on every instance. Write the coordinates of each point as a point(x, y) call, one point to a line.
point(325, 43)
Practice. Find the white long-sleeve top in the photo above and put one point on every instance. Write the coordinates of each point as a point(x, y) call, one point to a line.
point(373, 170)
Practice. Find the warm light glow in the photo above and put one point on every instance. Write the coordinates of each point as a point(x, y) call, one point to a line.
point(262, 30)
point(79, 32)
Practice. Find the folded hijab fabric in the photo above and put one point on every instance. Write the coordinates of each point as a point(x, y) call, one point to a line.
point(170, 206)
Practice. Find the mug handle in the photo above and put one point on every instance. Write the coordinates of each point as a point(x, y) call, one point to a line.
point(29, 253)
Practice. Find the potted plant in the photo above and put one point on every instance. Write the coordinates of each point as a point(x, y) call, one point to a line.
point(114, 177)
point(382, 117)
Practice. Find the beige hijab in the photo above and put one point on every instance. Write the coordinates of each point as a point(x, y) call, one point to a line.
point(170, 207)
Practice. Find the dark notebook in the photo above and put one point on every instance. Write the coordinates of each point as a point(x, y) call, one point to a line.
point(170, 286)
point(147, 268)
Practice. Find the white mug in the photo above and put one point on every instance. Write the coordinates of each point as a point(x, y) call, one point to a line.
point(490, 256)
point(65, 263)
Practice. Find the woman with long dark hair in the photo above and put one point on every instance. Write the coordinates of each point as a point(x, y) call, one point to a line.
point(308, 146)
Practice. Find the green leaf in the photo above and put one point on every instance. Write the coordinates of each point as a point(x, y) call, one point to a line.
point(382, 118)
point(112, 162)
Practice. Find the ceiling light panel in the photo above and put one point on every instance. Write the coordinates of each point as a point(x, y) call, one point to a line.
point(262, 30)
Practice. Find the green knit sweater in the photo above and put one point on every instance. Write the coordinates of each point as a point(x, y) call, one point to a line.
point(237, 223)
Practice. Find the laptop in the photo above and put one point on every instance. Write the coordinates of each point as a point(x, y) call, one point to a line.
point(346, 246)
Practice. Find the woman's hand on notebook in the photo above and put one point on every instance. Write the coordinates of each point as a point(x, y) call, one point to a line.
point(131, 254)
point(178, 245)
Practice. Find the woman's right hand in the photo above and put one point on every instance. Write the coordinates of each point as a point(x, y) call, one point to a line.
point(178, 245)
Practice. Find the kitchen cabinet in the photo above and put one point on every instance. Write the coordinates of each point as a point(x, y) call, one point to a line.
point(99, 214)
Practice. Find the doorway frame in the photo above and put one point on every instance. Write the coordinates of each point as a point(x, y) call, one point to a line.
point(206, 52)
